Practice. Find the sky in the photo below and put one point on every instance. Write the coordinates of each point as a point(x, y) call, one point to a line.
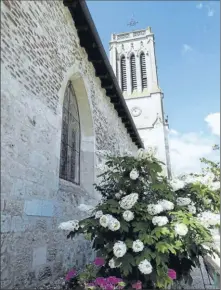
point(187, 39)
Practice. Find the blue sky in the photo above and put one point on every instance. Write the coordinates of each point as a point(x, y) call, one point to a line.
point(187, 36)
point(190, 80)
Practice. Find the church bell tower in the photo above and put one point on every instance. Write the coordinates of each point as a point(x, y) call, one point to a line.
point(132, 56)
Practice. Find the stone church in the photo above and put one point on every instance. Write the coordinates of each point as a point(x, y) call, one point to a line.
point(61, 108)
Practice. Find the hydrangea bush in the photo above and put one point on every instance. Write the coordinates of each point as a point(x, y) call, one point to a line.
point(145, 228)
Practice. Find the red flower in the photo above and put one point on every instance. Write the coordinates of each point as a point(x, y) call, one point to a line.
point(172, 274)
point(99, 262)
point(137, 285)
point(70, 275)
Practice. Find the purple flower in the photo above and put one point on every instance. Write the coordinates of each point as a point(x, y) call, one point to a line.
point(71, 274)
point(100, 281)
point(99, 262)
point(113, 280)
point(108, 287)
point(137, 285)
point(172, 274)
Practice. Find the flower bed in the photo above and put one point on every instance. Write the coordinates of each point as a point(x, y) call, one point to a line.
point(147, 231)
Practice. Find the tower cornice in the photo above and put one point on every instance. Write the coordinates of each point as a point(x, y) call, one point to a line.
point(136, 34)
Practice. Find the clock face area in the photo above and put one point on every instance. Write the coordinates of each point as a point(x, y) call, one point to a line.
point(136, 112)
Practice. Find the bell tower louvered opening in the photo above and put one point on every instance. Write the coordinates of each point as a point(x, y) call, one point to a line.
point(133, 73)
point(143, 71)
point(117, 73)
point(123, 74)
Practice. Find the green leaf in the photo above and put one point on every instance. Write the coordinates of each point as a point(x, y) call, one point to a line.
point(147, 239)
point(158, 260)
point(129, 243)
point(162, 247)
point(124, 226)
point(165, 231)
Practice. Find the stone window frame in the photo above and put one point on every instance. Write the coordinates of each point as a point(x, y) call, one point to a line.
point(68, 145)
point(87, 142)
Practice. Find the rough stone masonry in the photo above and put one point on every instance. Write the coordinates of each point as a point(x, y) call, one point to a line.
point(40, 53)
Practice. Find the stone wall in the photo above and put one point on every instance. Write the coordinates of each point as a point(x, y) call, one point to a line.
point(40, 53)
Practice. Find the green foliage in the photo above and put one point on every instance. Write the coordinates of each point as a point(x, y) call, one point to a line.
point(163, 247)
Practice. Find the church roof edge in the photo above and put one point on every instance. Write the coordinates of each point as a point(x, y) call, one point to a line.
point(90, 40)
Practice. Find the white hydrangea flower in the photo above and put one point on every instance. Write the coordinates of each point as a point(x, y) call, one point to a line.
point(215, 185)
point(166, 204)
point(104, 221)
point(208, 218)
point(138, 246)
point(207, 201)
point(109, 221)
point(128, 201)
point(183, 201)
point(191, 208)
point(114, 224)
point(69, 225)
point(98, 214)
point(112, 264)
point(154, 209)
point(119, 249)
point(128, 215)
point(134, 174)
point(160, 221)
point(141, 154)
point(181, 229)
point(177, 184)
point(145, 267)
point(117, 195)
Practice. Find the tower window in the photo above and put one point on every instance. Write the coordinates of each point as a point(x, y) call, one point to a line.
point(133, 72)
point(143, 71)
point(123, 74)
point(70, 138)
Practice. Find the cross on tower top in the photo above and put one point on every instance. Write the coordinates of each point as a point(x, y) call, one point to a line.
point(132, 22)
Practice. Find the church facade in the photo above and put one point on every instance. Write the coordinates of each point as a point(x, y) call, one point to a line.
point(132, 56)
point(61, 106)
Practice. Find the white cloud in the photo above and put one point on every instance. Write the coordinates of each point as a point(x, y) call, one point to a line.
point(210, 11)
point(174, 132)
point(213, 121)
point(199, 6)
point(186, 48)
point(186, 149)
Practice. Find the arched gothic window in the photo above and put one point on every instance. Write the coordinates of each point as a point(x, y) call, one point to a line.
point(143, 71)
point(70, 138)
point(133, 72)
point(123, 74)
